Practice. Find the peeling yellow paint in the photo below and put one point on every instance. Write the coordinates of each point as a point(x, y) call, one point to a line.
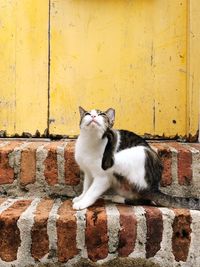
point(141, 57)
point(23, 66)
point(124, 54)
point(193, 67)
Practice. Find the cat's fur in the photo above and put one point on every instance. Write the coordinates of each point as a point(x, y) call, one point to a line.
point(120, 160)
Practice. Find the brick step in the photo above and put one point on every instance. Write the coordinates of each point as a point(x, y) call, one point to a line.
point(48, 168)
point(38, 232)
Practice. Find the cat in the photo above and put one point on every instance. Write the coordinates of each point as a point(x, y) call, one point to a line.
point(121, 160)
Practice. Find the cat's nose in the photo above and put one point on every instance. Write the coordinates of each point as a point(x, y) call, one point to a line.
point(93, 116)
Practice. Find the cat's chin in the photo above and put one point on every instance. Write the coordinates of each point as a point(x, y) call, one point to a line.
point(93, 123)
point(93, 131)
point(93, 126)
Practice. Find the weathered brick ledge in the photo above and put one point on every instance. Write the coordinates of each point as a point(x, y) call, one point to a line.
point(48, 168)
point(35, 231)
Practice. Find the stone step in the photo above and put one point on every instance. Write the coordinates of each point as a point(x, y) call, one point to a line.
point(47, 232)
point(42, 168)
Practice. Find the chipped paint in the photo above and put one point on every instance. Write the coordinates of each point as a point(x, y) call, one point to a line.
point(138, 65)
point(74, 53)
point(23, 67)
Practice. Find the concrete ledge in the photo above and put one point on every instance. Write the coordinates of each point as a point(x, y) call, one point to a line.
point(38, 232)
point(48, 168)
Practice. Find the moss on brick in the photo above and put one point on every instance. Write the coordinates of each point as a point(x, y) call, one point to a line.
point(118, 262)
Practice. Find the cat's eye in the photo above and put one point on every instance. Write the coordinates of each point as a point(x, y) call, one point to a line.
point(102, 114)
point(87, 113)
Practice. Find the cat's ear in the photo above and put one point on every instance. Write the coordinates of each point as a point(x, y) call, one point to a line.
point(111, 115)
point(82, 111)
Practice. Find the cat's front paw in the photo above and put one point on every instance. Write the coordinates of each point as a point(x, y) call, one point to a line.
point(76, 199)
point(79, 206)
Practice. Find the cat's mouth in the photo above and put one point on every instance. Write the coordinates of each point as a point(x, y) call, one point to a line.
point(93, 122)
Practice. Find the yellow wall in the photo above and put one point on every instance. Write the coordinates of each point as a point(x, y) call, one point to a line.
point(140, 57)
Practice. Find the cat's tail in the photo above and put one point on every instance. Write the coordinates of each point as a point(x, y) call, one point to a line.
point(158, 198)
point(162, 199)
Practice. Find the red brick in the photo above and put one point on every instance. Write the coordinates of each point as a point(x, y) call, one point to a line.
point(154, 230)
point(6, 171)
point(9, 231)
point(181, 234)
point(196, 146)
point(40, 239)
point(72, 171)
point(50, 163)
point(66, 232)
point(96, 236)
point(184, 164)
point(166, 159)
point(128, 230)
point(28, 164)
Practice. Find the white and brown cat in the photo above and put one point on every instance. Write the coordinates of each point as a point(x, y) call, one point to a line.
point(120, 160)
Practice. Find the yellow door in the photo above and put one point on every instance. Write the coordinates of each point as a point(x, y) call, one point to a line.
point(141, 57)
point(134, 56)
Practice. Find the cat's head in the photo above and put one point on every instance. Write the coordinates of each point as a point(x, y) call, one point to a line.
point(96, 120)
